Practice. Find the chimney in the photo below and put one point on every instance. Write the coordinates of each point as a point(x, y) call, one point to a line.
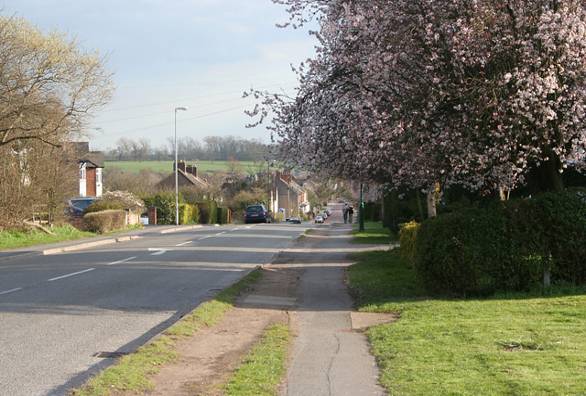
point(192, 170)
point(181, 166)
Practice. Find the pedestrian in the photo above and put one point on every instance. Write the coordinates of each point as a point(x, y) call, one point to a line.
point(350, 214)
point(345, 213)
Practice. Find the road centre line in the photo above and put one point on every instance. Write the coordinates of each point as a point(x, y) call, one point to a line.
point(69, 275)
point(157, 252)
point(184, 243)
point(10, 291)
point(122, 261)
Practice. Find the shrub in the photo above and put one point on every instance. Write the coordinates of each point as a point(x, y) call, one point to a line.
point(407, 238)
point(101, 205)
point(223, 215)
point(372, 211)
point(208, 212)
point(165, 204)
point(188, 214)
point(105, 221)
point(504, 247)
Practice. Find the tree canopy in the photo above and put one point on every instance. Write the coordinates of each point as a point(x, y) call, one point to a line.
point(416, 92)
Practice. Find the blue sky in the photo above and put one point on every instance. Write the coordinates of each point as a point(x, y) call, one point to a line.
point(197, 53)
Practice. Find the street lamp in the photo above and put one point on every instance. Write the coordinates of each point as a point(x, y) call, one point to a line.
point(177, 168)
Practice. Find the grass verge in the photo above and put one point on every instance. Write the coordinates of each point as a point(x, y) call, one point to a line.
point(374, 233)
point(19, 239)
point(509, 344)
point(263, 368)
point(132, 373)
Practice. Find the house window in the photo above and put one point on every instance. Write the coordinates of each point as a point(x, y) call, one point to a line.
point(98, 176)
point(82, 172)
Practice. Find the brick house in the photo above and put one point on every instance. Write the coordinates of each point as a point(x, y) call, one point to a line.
point(91, 169)
point(187, 177)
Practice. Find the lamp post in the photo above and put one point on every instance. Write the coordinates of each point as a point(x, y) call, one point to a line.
point(177, 168)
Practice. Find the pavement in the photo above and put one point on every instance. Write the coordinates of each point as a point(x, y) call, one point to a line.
point(65, 316)
point(328, 357)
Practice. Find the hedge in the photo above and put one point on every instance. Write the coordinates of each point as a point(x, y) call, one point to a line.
point(165, 204)
point(188, 214)
point(223, 215)
point(208, 212)
point(408, 239)
point(508, 246)
point(104, 221)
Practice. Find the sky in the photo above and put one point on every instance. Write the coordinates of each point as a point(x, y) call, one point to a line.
point(201, 54)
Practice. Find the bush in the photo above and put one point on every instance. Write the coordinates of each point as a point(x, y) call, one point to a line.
point(188, 214)
point(223, 216)
point(508, 246)
point(101, 205)
point(208, 212)
point(372, 211)
point(165, 204)
point(408, 238)
point(105, 221)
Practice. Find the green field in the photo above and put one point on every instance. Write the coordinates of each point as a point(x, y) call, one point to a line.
point(167, 166)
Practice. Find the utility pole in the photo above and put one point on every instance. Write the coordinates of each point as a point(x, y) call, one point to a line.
point(177, 168)
point(361, 209)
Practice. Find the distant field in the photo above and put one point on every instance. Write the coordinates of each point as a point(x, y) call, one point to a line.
point(167, 166)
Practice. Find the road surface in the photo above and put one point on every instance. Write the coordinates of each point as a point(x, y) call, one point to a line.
point(62, 315)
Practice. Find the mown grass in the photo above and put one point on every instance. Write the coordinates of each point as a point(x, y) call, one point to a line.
point(522, 344)
point(263, 368)
point(374, 233)
point(19, 239)
point(167, 166)
point(133, 373)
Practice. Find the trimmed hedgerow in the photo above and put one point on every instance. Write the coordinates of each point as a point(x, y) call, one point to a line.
point(508, 246)
point(104, 221)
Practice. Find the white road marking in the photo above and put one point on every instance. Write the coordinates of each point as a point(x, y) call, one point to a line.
point(10, 291)
point(158, 252)
point(184, 243)
point(68, 275)
point(249, 227)
point(122, 261)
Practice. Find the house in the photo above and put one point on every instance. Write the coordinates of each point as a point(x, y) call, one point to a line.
point(288, 197)
point(186, 177)
point(91, 168)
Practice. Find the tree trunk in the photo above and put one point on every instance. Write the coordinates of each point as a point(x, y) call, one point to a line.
point(431, 205)
point(550, 178)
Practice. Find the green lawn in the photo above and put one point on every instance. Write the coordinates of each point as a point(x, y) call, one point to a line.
point(167, 166)
point(19, 239)
point(507, 345)
point(373, 233)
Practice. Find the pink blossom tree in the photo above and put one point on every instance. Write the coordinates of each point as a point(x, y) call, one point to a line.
point(421, 92)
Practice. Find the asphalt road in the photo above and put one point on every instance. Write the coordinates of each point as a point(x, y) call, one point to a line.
point(58, 313)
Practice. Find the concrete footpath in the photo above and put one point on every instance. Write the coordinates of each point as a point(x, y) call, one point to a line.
point(329, 356)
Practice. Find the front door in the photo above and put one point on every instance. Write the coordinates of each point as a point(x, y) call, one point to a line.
point(91, 182)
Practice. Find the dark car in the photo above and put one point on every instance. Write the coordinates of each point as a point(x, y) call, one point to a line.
point(257, 214)
point(294, 220)
point(77, 206)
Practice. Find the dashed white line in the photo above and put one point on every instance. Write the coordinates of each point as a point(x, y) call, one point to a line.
point(68, 275)
point(158, 252)
point(184, 243)
point(10, 291)
point(122, 261)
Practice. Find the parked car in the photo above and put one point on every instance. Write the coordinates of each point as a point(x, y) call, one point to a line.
point(257, 214)
point(77, 206)
point(319, 219)
point(324, 215)
point(294, 220)
point(328, 211)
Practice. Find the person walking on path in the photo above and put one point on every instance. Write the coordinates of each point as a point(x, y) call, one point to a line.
point(350, 214)
point(345, 212)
